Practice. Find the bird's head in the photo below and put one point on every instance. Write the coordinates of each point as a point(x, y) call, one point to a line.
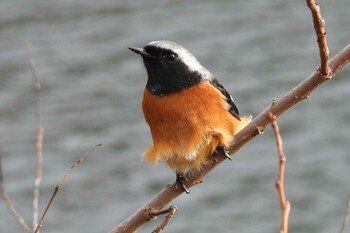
point(170, 67)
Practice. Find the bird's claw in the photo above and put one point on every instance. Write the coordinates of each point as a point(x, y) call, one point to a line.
point(180, 178)
point(222, 150)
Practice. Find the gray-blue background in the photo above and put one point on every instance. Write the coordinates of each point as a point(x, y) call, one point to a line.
point(92, 89)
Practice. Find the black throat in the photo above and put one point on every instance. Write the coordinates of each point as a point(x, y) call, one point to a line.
point(161, 85)
point(164, 79)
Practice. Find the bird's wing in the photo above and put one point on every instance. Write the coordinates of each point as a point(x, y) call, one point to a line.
point(233, 108)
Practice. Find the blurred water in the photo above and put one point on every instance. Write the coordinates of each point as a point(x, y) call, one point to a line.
point(92, 89)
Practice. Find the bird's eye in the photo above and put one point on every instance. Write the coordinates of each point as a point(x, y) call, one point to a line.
point(171, 57)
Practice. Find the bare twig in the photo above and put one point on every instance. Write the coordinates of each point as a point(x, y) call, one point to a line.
point(170, 213)
point(9, 204)
point(285, 204)
point(59, 185)
point(40, 137)
point(319, 25)
point(346, 218)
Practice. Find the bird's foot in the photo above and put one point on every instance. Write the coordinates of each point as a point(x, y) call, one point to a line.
point(221, 149)
point(180, 178)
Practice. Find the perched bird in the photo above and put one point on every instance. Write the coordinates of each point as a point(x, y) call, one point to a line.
point(190, 114)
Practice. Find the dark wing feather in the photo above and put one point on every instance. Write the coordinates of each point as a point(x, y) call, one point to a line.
point(233, 108)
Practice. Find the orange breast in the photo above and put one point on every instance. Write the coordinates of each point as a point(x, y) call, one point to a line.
point(187, 126)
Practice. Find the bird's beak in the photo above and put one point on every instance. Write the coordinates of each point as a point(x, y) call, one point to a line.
point(141, 52)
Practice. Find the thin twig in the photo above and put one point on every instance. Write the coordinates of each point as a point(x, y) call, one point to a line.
point(319, 25)
point(59, 185)
point(9, 204)
point(285, 204)
point(346, 218)
point(170, 213)
point(40, 137)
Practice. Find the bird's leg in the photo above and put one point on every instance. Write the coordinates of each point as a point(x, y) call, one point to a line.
point(222, 150)
point(180, 178)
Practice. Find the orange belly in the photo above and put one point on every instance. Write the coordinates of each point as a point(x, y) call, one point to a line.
point(187, 127)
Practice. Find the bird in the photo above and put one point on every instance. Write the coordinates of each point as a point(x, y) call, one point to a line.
point(189, 112)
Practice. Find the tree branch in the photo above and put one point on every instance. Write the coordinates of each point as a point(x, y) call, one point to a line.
point(256, 127)
point(326, 71)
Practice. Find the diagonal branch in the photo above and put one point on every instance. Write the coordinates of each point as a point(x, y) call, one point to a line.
point(59, 185)
point(256, 127)
point(326, 70)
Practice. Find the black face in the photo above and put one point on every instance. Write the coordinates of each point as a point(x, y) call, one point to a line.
point(166, 72)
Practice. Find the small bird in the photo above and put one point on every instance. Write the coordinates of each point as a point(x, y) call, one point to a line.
point(190, 114)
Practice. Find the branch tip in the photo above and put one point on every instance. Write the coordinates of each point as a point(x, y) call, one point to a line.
point(319, 26)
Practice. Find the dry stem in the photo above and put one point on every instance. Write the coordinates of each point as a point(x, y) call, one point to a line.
point(285, 204)
point(9, 204)
point(59, 185)
point(40, 137)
